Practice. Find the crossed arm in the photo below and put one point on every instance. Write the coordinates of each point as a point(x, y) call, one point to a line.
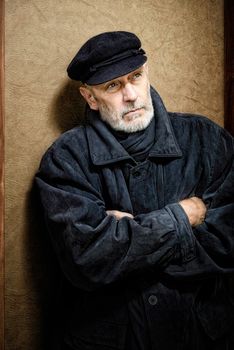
point(96, 246)
point(194, 208)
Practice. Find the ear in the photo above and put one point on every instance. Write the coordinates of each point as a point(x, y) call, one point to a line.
point(89, 97)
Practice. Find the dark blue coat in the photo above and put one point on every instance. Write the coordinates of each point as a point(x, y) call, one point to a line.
point(180, 273)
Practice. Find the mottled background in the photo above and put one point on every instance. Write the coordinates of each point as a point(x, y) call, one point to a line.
point(184, 43)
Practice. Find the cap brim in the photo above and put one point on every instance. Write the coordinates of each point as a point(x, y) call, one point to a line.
point(116, 70)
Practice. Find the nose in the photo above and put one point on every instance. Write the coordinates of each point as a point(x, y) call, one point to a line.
point(129, 93)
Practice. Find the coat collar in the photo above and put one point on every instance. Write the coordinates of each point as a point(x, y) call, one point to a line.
point(105, 149)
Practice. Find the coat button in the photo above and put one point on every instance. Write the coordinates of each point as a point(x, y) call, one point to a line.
point(137, 174)
point(152, 300)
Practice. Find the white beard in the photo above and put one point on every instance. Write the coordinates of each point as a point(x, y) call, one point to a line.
point(138, 122)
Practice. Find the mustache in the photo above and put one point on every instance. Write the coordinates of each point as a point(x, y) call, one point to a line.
point(132, 107)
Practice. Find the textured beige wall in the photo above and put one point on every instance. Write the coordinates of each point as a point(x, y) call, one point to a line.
point(184, 42)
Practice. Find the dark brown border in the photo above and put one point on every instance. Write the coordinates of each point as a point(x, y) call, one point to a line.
point(229, 65)
point(2, 32)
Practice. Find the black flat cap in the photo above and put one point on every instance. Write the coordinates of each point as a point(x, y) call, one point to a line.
point(107, 56)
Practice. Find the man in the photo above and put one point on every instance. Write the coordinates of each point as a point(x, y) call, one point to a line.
point(138, 203)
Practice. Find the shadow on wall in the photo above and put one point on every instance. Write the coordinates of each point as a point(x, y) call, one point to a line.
point(44, 276)
point(68, 106)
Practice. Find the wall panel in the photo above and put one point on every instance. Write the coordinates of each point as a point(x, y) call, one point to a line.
point(184, 42)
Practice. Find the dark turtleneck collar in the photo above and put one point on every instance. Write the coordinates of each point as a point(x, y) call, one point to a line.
point(139, 143)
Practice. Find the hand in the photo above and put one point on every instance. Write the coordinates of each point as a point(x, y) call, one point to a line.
point(119, 214)
point(195, 209)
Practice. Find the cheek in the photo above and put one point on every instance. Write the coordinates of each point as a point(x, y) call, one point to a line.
point(107, 107)
point(112, 103)
point(143, 91)
point(113, 107)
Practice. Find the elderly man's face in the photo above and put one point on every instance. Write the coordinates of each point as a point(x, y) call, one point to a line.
point(125, 102)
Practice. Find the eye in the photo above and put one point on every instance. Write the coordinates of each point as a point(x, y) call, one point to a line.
point(137, 75)
point(113, 86)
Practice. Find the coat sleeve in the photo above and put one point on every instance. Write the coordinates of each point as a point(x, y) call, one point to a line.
point(214, 239)
point(93, 248)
